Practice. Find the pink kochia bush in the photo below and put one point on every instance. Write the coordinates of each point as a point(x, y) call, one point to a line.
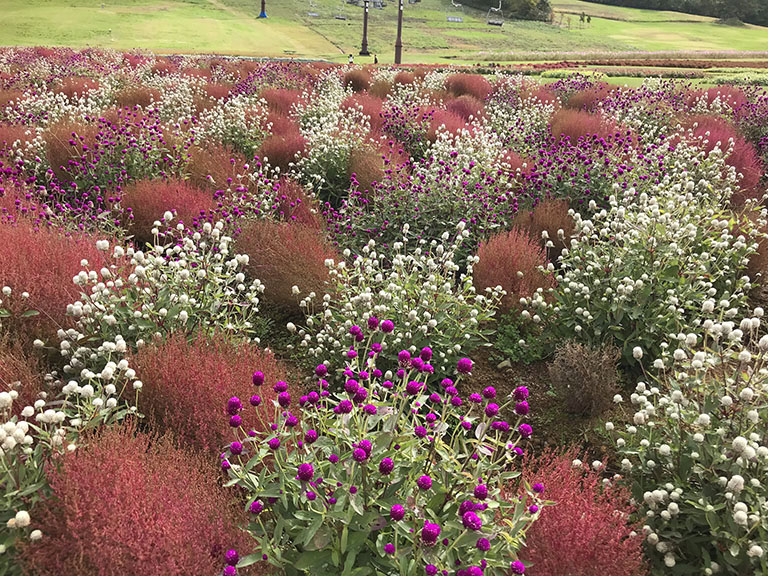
point(511, 260)
point(127, 503)
point(587, 531)
point(185, 383)
point(392, 471)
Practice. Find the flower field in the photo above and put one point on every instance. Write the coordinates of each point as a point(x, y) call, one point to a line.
point(269, 318)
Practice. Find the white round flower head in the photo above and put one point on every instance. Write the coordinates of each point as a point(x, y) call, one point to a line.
point(617, 399)
point(102, 245)
point(637, 353)
point(168, 216)
point(740, 518)
point(22, 519)
point(755, 551)
point(35, 535)
point(736, 483)
point(739, 444)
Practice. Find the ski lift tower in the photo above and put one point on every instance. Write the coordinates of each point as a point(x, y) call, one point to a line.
point(399, 39)
point(263, 13)
point(495, 16)
point(364, 47)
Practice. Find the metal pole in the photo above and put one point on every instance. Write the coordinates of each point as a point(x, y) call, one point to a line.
point(364, 48)
point(263, 9)
point(399, 40)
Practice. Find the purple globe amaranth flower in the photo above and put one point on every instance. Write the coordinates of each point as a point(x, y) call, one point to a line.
point(229, 571)
point(365, 445)
point(456, 401)
point(311, 495)
point(430, 533)
point(236, 448)
point(344, 407)
point(387, 384)
point(313, 397)
point(471, 521)
point(373, 323)
point(533, 508)
point(426, 354)
point(517, 567)
point(397, 512)
point(235, 421)
point(417, 363)
point(404, 357)
point(370, 409)
point(387, 326)
point(538, 487)
point(280, 387)
point(359, 455)
point(522, 408)
point(500, 425)
point(521, 393)
point(364, 375)
point(351, 386)
point(333, 459)
point(291, 421)
point(474, 571)
point(466, 424)
point(428, 369)
point(376, 348)
point(360, 395)
point(256, 507)
point(491, 410)
point(481, 491)
point(466, 506)
point(284, 399)
point(445, 383)
point(389, 548)
point(420, 431)
point(232, 557)
point(351, 353)
point(525, 430)
point(430, 570)
point(483, 544)
point(434, 397)
point(310, 436)
point(475, 398)
point(451, 390)
point(305, 472)
point(413, 387)
point(257, 378)
point(321, 370)
point(355, 330)
point(273, 443)
point(489, 393)
point(424, 482)
point(234, 406)
point(464, 366)
point(225, 465)
point(255, 400)
point(386, 466)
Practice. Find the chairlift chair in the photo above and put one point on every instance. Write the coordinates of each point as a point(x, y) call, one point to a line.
point(455, 15)
point(495, 16)
point(341, 14)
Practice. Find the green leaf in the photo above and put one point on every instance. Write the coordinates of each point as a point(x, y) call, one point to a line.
point(30, 313)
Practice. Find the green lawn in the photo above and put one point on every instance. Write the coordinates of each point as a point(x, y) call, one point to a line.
point(231, 27)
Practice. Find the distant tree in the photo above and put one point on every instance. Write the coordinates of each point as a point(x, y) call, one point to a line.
point(752, 11)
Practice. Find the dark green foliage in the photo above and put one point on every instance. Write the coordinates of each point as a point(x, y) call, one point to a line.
point(752, 11)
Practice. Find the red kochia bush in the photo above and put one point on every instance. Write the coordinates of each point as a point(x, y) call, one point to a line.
point(470, 84)
point(76, 86)
point(548, 216)
point(357, 79)
point(19, 371)
point(577, 124)
point(587, 531)
point(293, 204)
point(136, 95)
point(369, 105)
point(42, 263)
point(445, 121)
point(368, 167)
point(283, 255)
point(285, 145)
point(187, 385)
point(127, 503)
point(502, 258)
point(148, 200)
point(281, 100)
point(743, 158)
point(465, 106)
point(219, 162)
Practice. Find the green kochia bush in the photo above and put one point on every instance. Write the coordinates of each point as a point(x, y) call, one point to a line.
point(383, 477)
point(696, 449)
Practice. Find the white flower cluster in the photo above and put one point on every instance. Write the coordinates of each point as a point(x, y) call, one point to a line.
point(417, 289)
point(697, 447)
point(190, 281)
point(239, 121)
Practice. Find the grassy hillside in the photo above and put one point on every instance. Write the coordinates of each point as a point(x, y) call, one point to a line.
point(231, 27)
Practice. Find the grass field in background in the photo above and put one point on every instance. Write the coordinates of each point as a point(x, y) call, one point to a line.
point(232, 27)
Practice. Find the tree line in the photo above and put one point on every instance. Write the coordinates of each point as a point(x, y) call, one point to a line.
point(751, 11)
